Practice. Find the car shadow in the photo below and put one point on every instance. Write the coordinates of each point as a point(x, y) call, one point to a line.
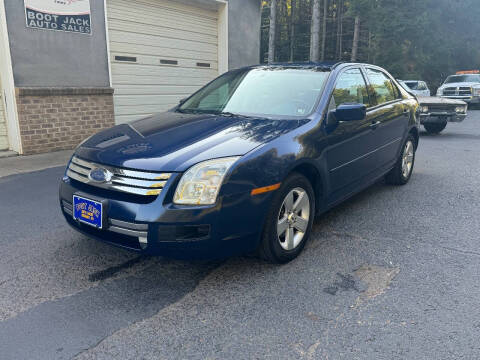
point(159, 264)
point(450, 135)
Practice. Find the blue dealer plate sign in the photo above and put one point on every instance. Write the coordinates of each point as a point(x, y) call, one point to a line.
point(87, 211)
point(59, 15)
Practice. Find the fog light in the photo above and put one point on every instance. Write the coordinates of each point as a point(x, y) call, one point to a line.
point(192, 232)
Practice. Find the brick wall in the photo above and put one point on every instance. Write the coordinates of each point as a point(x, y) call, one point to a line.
point(53, 119)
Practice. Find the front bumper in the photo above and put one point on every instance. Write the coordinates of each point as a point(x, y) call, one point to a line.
point(467, 99)
point(232, 226)
point(441, 116)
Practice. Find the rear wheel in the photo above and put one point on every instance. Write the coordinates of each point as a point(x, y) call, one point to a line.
point(435, 128)
point(403, 169)
point(289, 221)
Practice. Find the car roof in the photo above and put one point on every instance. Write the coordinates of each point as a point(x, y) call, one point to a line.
point(308, 64)
point(324, 65)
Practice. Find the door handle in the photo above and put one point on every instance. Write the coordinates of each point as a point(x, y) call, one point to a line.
point(375, 124)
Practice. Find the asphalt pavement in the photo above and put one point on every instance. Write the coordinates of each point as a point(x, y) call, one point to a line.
point(393, 273)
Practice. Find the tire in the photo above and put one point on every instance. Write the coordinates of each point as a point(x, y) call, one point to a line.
point(402, 172)
point(435, 128)
point(277, 248)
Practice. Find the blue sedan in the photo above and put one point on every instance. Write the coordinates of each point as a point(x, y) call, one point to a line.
point(245, 163)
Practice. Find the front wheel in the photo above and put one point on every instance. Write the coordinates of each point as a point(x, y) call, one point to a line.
point(289, 221)
point(401, 173)
point(435, 128)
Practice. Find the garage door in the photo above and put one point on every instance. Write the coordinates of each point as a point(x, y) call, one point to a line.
point(3, 125)
point(161, 51)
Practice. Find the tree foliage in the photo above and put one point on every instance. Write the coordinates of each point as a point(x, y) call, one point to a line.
point(418, 39)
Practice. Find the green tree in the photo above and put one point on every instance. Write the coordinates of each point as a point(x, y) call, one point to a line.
point(419, 39)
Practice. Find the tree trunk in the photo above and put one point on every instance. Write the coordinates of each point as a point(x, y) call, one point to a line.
point(339, 48)
point(324, 28)
point(293, 12)
point(369, 45)
point(315, 32)
point(272, 31)
point(356, 37)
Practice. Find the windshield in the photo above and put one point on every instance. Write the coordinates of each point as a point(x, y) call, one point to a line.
point(462, 78)
point(263, 92)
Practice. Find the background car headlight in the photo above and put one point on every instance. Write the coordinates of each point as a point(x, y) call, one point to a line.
point(439, 92)
point(201, 183)
point(476, 91)
point(424, 109)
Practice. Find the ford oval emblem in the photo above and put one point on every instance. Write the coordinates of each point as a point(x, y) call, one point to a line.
point(100, 175)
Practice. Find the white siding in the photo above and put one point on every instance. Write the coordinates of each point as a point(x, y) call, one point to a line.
point(3, 125)
point(154, 30)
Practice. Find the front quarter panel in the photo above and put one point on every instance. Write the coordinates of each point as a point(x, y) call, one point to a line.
point(270, 163)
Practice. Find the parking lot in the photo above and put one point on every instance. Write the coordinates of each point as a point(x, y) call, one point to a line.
point(392, 273)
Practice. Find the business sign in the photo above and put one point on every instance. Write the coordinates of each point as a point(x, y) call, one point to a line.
point(59, 15)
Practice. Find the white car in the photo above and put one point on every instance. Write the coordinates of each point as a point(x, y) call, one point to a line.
point(416, 87)
point(465, 85)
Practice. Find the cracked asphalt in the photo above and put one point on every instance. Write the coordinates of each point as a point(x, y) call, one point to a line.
point(393, 273)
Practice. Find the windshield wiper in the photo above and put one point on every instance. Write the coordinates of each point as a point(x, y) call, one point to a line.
point(189, 111)
point(229, 114)
point(219, 113)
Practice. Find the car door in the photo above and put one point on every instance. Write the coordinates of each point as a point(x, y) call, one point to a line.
point(389, 117)
point(425, 89)
point(350, 144)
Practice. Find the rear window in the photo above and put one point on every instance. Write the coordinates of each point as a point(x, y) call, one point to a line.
point(412, 84)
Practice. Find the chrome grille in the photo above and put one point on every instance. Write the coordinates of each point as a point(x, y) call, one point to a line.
point(441, 107)
point(128, 181)
point(458, 91)
point(450, 91)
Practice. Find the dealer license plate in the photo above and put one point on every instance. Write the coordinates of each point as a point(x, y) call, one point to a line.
point(87, 211)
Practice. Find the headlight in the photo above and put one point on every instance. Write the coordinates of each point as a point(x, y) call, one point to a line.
point(424, 109)
point(439, 92)
point(476, 91)
point(201, 183)
point(460, 109)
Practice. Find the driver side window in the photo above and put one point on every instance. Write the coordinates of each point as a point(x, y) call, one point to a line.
point(350, 88)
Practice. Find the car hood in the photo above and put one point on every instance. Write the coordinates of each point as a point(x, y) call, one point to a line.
point(460, 84)
point(173, 141)
point(436, 100)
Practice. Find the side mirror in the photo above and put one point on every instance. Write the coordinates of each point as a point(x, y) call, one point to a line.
point(350, 112)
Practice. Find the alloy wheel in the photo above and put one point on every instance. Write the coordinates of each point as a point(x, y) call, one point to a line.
point(407, 159)
point(293, 218)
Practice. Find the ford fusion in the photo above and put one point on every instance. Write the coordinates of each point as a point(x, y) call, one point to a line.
point(244, 164)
